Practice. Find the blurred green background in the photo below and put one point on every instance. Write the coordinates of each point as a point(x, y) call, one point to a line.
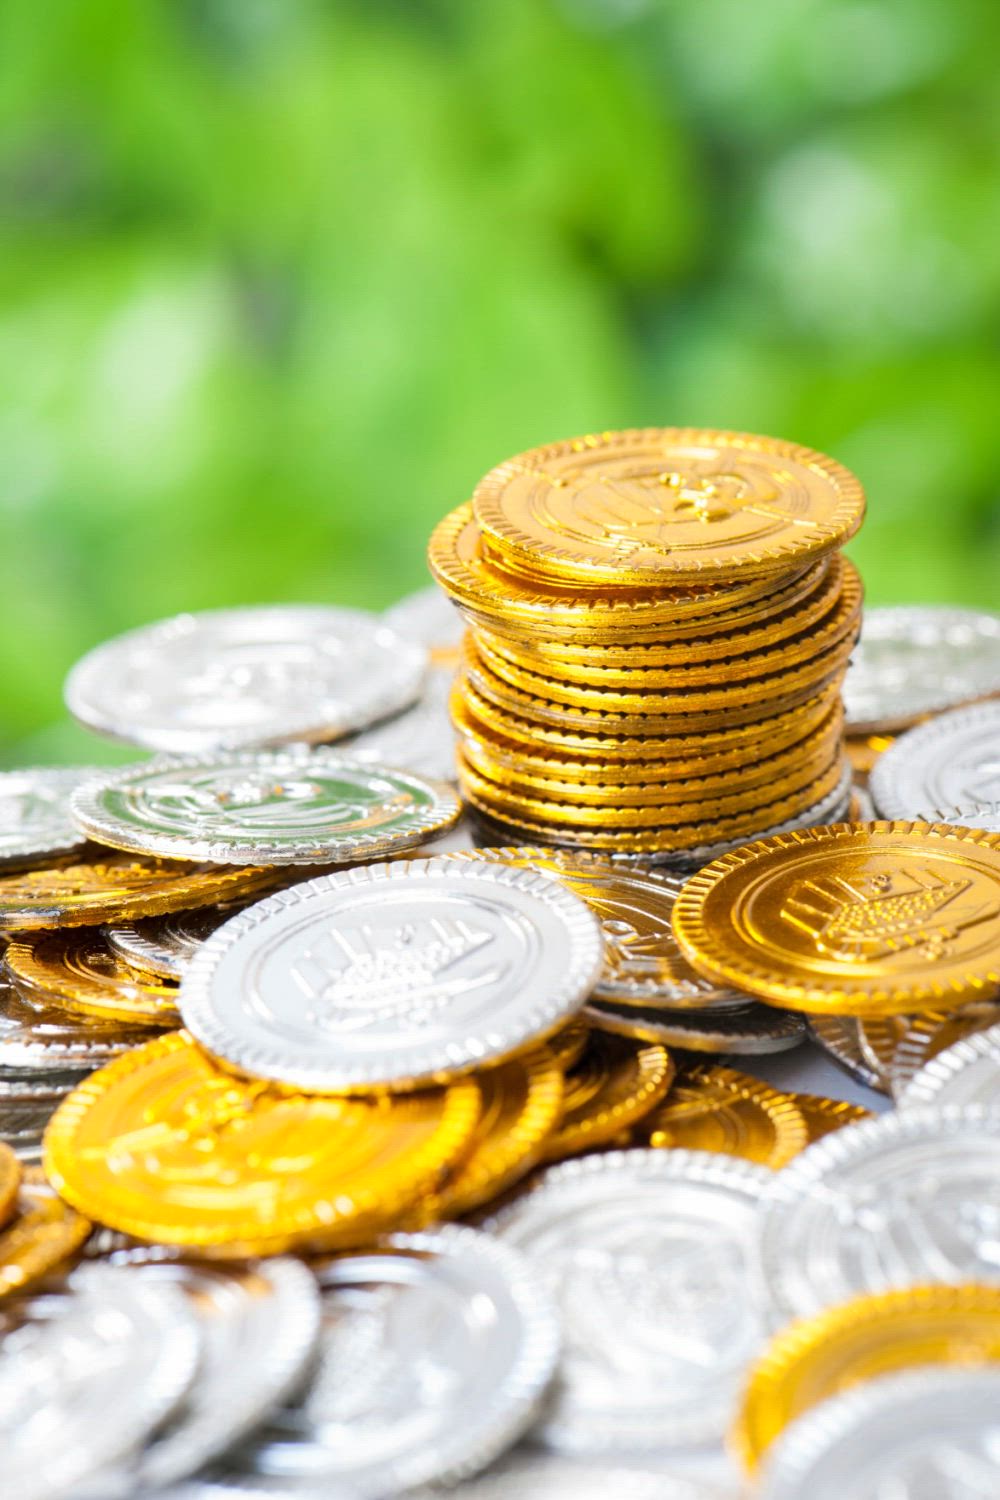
point(281, 278)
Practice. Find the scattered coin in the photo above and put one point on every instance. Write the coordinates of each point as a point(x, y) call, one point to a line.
point(26, 1106)
point(932, 1032)
point(823, 1116)
point(839, 1038)
point(78, 971)
point(34, 814)
point(10, 1181)
point(752, 1029)
point(421, 739)
point(163, 946)
point(614, 1084)
point(229, 678)
point(45, 1039)
point(393, 975)
point(43, 1233)
point(533, 1475)
point(968, 1072)
point(879, 1037)
point(918, 660)
point(717, 1109)
point(280, 807)
point(945, 770)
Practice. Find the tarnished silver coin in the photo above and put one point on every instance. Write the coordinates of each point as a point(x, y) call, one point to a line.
point(35, 820)
point(751, 1028)
point(393, 974)
point(269, 807)
point(928, 1434)
point(944, 771)
point(642, 963)
point(648, 1255)
point(429, 619)
point(839, 1037)
point(163, 946)
point(86, 1374)
point(41, 1039)
point(892, 1202)
point(435, 1352)
point(259, 1322)
point(231, 678)
point(421, 739)
point(917, 660)
point(966, 1073)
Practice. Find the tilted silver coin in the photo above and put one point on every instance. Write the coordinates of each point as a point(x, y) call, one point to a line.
point(35, 819)
point(642, 963)
point(421, 739)
point(429, 618)
point(648, 1254)
point(85, 1375)
point(537, 1475)
point(41, 1040)
point(259, 1323)
point(231, 678)
point(163, 946)
point(966, 1073)
point(435, 1352)
point(839, 1037)
point(918, 660)
point(751, 1028)
point(944, 771)
point(270, 807)
point(904, 1199)
point(931, 1032)
point(928, 1434)
point(393, 974)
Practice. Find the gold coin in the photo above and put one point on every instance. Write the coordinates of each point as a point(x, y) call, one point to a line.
point(164, 1145)
point(613, 1085)
point(109, 887)
point(864, 919)
point(42, 1235)
point(665, 503)
point(522, 1104)
point(861, 1340)
point(863, 750)
point(568, 1045)
point(712, 1108)
point(10, 1178)
point(822, 1115)
point(79, 971)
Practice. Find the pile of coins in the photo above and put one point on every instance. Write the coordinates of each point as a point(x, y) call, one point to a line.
point(659, 625)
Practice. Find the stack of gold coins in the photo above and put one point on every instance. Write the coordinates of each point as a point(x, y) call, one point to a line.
point(659, 626)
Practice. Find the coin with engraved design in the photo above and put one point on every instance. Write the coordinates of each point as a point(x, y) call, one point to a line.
point(917, 660)
point(398, 974)
point(947, 770)
point(162, 946)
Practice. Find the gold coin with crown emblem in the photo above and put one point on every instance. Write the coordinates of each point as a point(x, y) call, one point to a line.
point(870, 919)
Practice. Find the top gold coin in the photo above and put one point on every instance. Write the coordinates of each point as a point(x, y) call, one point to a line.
point(658, 504)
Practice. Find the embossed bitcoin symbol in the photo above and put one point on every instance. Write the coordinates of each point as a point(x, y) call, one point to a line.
point(874, 916)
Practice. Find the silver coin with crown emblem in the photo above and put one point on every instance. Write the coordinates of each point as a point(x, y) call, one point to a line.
point(267, 807)
point(919, 659)
point(944, 771)
point(35, 819)
point(395, 974)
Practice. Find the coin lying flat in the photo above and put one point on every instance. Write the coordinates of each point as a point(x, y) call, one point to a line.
point(229, 678)
point(718, 1109)
point(435, 1352)
point(614, 1084)
point(80, 972)
point(264, 808)
point(393, 974)
point(10, 1181)
point(897, 1201)
point(86, 1374)
point(112, 887)
point(34, 814)
point(919, 660)
point(165, 1146)
point(420, 740)
point(42, 1039)
point(648, 1254)
point(945, 770)
point(968, 1072)
point(164, 945)
point(860, 1340)
point(43, 1233)
point(927, 1433)
point(869, 919)
point(823, 1116)
point(750, 1029)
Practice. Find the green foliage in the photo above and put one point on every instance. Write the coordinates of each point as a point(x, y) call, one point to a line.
point(280, 278)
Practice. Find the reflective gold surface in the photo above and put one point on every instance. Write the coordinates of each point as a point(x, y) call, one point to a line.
point(718, 1109)
point(79, 971)
point(614, 1084)
point(43, 1232)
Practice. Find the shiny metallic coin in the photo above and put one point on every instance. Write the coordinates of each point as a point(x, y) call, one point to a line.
point(429, 619)
point(930, 1434)
point(281, 807)
point(394, 974)
point(85, 1375)
point(932, 1032)
point(435, 1352)
point(532, 1475)
point(648, 1253)
point(945, 770)
point(163, 946)
point(751, 1029)
point(420, 740)
point(228, 678)
point(839, 1038)
point(966, 1073)
point(861, 808)
point(44, 1039)
point(904, 1199)
point(919, 660)
point(26, 1109)
point(35, 822)
point(259, 1322)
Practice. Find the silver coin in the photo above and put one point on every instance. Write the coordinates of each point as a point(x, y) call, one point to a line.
point(642, 963)
point(272, 807)
point(891, 1202)
point(34, 813)
point(928, 1434)
point(528, 1475)
point(421, 739)
point(648, 1254)
point(862, 808)
point(259, 1323)
point(919, 660)
point(231, 678)
point(26, 1109)
point(839, 1038)
point(428, 618)
point(945, 771)
point(436, 1351)
point(43, 1039)
point(753, 1028)
point(927, 1034)
point(393, 974)
point(163, 946)
point(966, 1073)
point(85, 1375)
